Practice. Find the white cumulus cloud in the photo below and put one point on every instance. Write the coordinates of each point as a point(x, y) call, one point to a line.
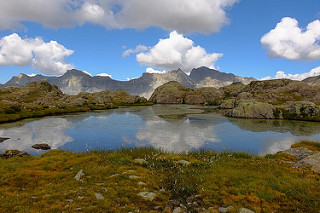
point(139, 48)
point(288, 40)
point(177, 52)
point(299, 77)
point(204, 16)
point(48, 58)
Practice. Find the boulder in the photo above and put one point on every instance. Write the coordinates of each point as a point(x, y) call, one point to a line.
point(227, 104)
point(42, 146)
point(303, 108)
point(313, 160)
point(299, 152)
point(194, 98)
point(252, 109)
point(169, 93)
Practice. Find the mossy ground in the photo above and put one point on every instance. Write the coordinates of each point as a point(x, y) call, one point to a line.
point(264, 184)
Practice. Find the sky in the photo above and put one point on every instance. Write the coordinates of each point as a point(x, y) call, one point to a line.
point(122, 39)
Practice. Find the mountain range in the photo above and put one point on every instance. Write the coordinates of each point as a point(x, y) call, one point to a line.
point(75, 81)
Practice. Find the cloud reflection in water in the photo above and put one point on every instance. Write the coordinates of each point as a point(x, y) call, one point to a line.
point(48, 130)
point(177, 136)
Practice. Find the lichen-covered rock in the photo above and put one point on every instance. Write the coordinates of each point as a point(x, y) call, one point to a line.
point(313, 160)
point(169, 93)
point(194, 98)
point(252, 109)
point(13, 153)
point(303, 108)
point(227, 104)
point(244, 95)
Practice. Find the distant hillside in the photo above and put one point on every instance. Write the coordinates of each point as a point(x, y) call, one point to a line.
point(205, 77)
point(312, 80)
point(75, 81)
point(41, 99)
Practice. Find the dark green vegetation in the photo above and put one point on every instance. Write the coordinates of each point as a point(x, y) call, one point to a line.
point(112, 182)
point(42, 99)
point(272, 99)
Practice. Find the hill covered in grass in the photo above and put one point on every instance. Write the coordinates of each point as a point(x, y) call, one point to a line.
point(42, 99)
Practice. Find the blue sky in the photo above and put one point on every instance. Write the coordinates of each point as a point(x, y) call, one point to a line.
point(43, 37)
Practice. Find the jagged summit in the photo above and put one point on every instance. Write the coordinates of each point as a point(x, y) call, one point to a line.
point(76, 81)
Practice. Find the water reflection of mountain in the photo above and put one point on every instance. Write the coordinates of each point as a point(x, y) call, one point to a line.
point(24, 135)
point(298, 128)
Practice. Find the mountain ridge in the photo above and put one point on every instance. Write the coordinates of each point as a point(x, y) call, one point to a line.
point(76, 81)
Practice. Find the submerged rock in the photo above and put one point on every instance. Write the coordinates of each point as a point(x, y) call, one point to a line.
point(42, 146)
point(3, 139)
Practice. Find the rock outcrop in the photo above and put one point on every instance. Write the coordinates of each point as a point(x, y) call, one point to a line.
point(252, 109)
point(41, 98)
point(175, 93)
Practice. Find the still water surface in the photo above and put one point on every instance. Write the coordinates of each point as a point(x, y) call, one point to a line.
point(168, 127)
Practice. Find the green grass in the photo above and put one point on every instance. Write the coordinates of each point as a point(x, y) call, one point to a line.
point(263, 184)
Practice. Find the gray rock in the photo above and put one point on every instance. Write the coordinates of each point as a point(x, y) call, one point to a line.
point(141, 183)
point(313, 160)
point(140, 161)
point(42, 146)
point(79, 175)
point(134, 177)
point(184, 162)
point(224, 209)
point(147, 195)
point(178, 210)
point(299, 152)
point(99, 196)
point(245, 210)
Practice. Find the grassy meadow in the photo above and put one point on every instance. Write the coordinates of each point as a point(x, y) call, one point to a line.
point(117, 181)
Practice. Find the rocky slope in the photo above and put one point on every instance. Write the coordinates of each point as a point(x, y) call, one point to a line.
point(75, 81)
point(41, 98)
point(282, 99)
point(205, 77)
point(175, 93)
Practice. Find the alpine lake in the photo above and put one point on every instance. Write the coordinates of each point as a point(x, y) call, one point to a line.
point(172, 128)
